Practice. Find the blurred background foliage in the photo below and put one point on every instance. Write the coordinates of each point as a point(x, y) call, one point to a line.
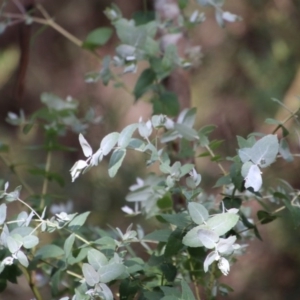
point(244, 65)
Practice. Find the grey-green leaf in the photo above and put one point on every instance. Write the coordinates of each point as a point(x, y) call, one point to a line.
point(90, 275)
point(49, 251)
point(78, 221)
point(115, 161)
point(187, 293)
point(161, 235)
point(188, 133)
point(110, 272)
point(263, 152)
point(22, 258)
point(208, 238)
point(3, 209)
point(30, 241)
point(96, 259)
point(98, 37)
point(109, 142)
point(126, 134)
point(191, 239)
point(222, 223)
point(69, 244)
point(13, 245)
point(198, 212)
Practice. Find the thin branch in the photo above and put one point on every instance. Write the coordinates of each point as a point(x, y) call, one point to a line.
point(46, 180)
point(291, 116)
point(212, 154)
point(50, 22)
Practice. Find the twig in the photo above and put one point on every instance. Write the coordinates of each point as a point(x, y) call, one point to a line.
point(46, 180)
point(219, 164)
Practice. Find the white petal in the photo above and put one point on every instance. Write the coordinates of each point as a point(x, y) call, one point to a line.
point(229, 17)
point(224, 266)
point(253, 178)
point(210, 258)
point(86, 148)
point(126, 209)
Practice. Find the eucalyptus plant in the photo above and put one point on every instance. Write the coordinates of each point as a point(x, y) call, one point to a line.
point(200, 234)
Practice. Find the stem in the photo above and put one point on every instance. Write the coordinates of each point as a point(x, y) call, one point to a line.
point(32, 286)
point(46, 181)
point(28, 206)
point(212, 154)
point(74, 274)
point(79, 237)
point(50, 22)
point(194, 279)
point(292, 115)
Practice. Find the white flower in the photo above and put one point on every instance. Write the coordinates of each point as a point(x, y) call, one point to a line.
point(78, 167)
point(63, 216)
point(224, 266)
point(139, 184)
point(8, 261)
point(229, 17)
point(128, 210)
point(57, 208)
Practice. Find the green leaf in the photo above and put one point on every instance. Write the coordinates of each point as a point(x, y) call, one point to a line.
point(68, 245)
point(161, 235)
point(236, 176)
point(187, 293)
point(90, 275)
point(96, 259)
point(231, 203)
point(171, 292)
point(115, 161)
point(27, 128)
point(111, 272)
point(265, 217)
point(284, 150)
point(144, 82)
point(174, 244)
point(204, 154)
point(180, 219)
point(169, 271)
point(294, 210)
point(143, 17)
point(213, 145)
point(128, 289)
point(166, 103)
point(49, 251)
point(224, 180)
point(98, 37)
point(183, 3)
point(222, 223)
point(165, 202)
point(198, 212)
point(78, 221)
